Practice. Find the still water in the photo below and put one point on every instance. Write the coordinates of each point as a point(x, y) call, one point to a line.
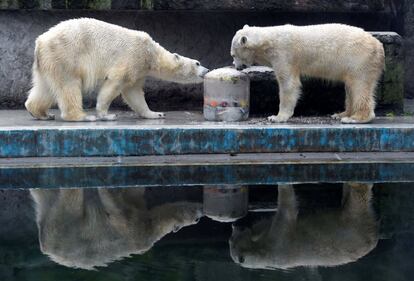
point(336, 231)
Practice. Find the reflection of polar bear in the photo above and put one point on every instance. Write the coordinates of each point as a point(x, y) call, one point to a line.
point(85, 228)
point(330, 51)
point(85, 54)
point(319, 239)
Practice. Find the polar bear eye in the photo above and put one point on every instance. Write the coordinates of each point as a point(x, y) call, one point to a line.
point(197, 63)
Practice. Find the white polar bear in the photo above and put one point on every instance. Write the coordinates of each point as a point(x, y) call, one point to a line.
point(86, 228)
point(334, 52)
point(324, 238)
point(81, 55)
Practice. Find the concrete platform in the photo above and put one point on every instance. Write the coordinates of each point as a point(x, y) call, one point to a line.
point(186, 133)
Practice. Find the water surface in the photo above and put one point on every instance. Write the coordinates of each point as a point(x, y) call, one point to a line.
point(339, 231)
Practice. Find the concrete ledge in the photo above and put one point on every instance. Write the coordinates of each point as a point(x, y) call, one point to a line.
point(187, 133)
point(202, 169)
point(211, 160)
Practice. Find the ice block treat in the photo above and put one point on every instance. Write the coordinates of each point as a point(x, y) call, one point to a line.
point(226, 95)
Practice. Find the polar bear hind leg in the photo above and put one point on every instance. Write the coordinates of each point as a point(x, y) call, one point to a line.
point(69, 99)
point(40, 99)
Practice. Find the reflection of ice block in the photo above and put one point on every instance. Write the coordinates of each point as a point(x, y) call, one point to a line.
point(225, 203)
point(226, 95)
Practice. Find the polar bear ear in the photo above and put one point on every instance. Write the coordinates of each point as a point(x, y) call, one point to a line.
point(176, 56)
point(243, 40)
point(245, 26)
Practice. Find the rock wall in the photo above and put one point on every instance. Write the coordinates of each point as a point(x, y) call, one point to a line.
point(285, 5)
point(202, 35)
point(408, 32)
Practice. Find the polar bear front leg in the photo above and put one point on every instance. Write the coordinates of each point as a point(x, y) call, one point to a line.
point(286, 201)
point(363, 103)
point(356, 200)
point(289, 92)
point(135, 98)
point(287, 209)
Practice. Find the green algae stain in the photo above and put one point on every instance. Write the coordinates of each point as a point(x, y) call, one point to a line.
point(9, 4)
point(147, 5)
point(391, 90)
point(99, 4)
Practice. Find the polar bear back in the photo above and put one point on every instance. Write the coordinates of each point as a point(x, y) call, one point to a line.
point(91, 33)
point(88, 48)
point(330, 51)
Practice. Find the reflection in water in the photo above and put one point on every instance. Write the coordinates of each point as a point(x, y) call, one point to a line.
point(225, 203)
point(85, 228)
point(328, 238)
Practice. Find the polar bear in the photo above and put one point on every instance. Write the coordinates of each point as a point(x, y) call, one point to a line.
point(81, 55)
point(334, 52)
point(87, 228)
point(329, 238)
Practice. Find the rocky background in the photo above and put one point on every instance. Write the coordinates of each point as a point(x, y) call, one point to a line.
point(198, 29)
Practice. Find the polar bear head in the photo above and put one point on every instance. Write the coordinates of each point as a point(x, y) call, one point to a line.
point(176, 68)
point(187, 70)
point(243, 47)
point(249, 248)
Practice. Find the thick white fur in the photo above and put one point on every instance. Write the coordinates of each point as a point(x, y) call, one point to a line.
point(86, 228)
point(330, 51)
point(328, 238)
point(81, 55)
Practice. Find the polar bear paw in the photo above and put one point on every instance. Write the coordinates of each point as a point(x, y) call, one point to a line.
point(108, 117)
point(154, 115)
point(89, 118)
point(47, 117)
point(339, 116)
point(277, 119)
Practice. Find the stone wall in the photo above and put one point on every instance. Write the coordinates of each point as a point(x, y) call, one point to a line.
point(408, 33)
point(251, 5)
point(191, 33)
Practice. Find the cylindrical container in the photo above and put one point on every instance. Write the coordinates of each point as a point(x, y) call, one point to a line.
point(225, 203)
point(226, 95)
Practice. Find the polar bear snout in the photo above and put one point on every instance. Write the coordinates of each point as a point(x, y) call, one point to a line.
point(241, 67)
point(202, 71)
point(239, 64)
